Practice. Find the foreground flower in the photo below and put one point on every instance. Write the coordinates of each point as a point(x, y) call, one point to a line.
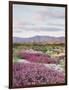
point(28, 74)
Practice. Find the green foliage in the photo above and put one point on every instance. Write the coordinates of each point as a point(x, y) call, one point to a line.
point(49, 49)
point(62, 64)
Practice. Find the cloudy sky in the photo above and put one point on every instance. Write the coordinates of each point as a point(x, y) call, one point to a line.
point(29, 21)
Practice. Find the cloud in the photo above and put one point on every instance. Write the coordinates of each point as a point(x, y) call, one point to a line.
point(31, 20)
point(33, 33)
point(38, 27)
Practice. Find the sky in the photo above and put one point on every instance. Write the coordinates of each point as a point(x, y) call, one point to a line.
point(30, 20)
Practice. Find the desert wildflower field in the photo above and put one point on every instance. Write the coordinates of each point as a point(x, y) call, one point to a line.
point(38, 64)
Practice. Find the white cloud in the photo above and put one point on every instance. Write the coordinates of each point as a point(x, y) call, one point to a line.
point(29, 20)
point(33, 33)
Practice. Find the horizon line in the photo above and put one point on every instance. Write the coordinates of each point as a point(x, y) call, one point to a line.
point(38, 35)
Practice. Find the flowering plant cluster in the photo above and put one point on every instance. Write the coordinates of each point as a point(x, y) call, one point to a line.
point(27, 74)
point(37, 57)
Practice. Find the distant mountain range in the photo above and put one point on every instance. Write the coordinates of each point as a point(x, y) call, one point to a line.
point(37, 39)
